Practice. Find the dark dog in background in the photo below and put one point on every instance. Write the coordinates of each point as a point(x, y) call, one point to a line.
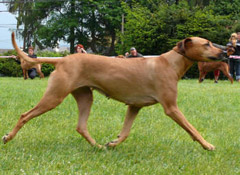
point(205, 67)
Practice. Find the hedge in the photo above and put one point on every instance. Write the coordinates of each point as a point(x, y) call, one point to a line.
point(10, 68)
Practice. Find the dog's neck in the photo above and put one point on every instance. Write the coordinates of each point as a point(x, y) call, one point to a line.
point(183, 54)
point(178, 62)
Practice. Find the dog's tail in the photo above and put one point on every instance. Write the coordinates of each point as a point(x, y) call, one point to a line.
point(30, 60)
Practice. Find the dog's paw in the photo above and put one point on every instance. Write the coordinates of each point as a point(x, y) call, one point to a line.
point(98, 146)
point(4, 138)
point(112, 143)
point(209, 147)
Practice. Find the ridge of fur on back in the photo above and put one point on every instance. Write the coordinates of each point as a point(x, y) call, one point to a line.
point(31, 60)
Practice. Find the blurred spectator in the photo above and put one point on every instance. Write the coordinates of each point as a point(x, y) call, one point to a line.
point(133, 53)
point(80, 49)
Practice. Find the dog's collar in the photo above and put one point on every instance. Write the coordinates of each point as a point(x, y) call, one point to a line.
point(185, 56)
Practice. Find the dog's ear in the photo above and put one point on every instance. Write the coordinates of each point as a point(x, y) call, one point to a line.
point(183, 45)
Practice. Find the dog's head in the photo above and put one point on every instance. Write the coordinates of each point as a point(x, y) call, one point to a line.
point(230, 50)
point(199, 49)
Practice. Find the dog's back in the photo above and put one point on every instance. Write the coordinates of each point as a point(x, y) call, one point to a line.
point(211, 66)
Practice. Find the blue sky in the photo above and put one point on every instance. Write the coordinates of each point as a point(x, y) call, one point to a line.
point(6, 24)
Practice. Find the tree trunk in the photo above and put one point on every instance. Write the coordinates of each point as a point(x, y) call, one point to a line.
point(72, 40)
point(112, 47)
point(72, 30)
point(93, 34)
point(24, 42)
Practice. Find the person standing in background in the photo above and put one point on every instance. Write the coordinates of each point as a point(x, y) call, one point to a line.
point(234, 59)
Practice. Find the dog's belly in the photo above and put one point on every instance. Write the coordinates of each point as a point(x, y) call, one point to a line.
point(133, 99)
point(139, 101)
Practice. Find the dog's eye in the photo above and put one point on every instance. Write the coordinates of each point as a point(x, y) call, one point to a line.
point(207, 44)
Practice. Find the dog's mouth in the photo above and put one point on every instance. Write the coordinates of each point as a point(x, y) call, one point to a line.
point(221, 57)
point(214, 58)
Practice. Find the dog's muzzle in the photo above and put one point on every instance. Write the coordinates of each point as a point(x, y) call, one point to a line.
point(221, 57)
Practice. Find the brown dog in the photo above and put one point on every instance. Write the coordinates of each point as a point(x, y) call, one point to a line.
point(205, 67)
point(136, 82)
point(26, 66)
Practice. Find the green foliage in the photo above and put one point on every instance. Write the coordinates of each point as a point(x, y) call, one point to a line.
point(9, 67)
point(157, 30)
point(139, 30)
point(52, 54)
point(91, 23)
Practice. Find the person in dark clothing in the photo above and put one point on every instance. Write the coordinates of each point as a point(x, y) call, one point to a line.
point(133, 53)
point(234, 59)
point(32, 73)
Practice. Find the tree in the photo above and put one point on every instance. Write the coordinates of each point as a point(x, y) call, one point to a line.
point(156, 30)
point(30, 15)
point(92, 23)
point(23, 10)
point(153, 31)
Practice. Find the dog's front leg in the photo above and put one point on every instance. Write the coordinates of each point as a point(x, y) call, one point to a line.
point(168, 98)
point(130, 116)
point(201, 76)
point(178, 117)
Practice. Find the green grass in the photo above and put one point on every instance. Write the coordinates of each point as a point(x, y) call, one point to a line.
point(49, 144)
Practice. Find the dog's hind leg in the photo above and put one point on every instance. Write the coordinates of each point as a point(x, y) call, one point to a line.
point(38, 69)
point(225, 71)
point(53, 96)
point(84, 99)
point(130, 116)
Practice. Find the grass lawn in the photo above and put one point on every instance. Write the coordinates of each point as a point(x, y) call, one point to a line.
point(49, 144)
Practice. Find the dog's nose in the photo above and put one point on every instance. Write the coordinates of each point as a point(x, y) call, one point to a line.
point(223, 55)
